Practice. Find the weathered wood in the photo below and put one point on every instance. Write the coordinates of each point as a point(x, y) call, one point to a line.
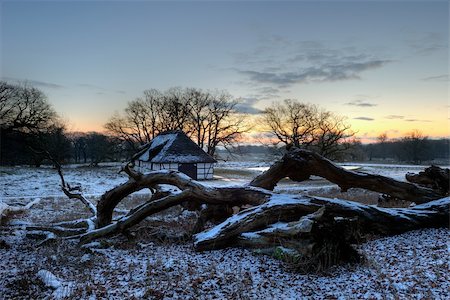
point(432, 177)
point(199, 193)
point(300, 164)
point(135, 216)
point(269, 208)
point(371, 219)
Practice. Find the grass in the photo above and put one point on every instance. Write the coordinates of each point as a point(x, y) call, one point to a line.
point(233, 173)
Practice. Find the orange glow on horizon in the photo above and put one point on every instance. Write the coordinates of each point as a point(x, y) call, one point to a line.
point(365, 131)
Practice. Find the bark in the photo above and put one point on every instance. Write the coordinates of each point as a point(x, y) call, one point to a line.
point(282, 208)
point(6, 211)
point(135, 216)
point(65, 187)
point(432, 177)
point(198, 193)
point(269, 208)
point(312, 244)
point(300, 164)
point(313, 241)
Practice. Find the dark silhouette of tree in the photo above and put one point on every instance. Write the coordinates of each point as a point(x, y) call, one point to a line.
point(27, 121)
point(23, 107)
point(100, 147)
point(414, 147)
point(308, 126)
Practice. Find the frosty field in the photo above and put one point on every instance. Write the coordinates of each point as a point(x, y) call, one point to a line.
point(159, 262)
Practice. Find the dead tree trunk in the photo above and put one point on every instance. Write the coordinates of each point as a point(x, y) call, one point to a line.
point(285, 227)
point(433, 177)
point(300, 164)
point(199, 194)
point(285, 209)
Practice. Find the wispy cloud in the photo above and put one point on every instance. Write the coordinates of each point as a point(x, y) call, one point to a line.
point(417, 120)
point(393, 117)
point(429, 43)
point(246, 106)
point(324, 73)
point(364, 118)
point(35, 83)
point(91, 86)
point(443, 77)
point(281, 62)
point(361, 103)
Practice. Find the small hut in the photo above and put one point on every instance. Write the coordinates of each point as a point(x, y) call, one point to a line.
point(174, 150)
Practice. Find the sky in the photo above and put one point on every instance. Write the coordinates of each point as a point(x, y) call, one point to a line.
point(382, 64)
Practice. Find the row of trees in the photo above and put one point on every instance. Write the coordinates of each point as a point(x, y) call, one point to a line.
point(415, 148)
point(29, 125)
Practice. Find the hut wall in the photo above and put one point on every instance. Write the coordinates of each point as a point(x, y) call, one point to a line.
point(205, 170)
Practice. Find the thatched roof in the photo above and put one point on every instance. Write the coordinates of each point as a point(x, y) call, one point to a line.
point(173, 147)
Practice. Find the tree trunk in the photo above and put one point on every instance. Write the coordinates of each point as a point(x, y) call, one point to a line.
point(432, 177)
point(282, 208)
point(300, 164)
point(199, 193)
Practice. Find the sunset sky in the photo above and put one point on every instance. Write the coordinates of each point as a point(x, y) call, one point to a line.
point(382, 64)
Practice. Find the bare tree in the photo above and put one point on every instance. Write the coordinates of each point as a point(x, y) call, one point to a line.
point(331, 135)
point(209, 118)
point(414, 147)
point(224, 126)
point(174, 112)
point(24, 107)
point(292, 122)
point(308, 126)
point(199, 109)
point(26, 120)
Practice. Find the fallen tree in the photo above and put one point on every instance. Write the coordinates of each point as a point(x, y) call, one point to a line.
point(299, 165)
point(312, 232)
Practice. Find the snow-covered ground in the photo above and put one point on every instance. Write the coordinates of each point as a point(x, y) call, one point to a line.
point(414, 265)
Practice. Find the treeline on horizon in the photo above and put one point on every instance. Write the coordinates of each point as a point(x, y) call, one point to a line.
point(93, 148)
point(404, 150)
point(30, 130)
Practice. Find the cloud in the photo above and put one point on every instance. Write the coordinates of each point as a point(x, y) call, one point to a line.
point(324, 73)
point(429, 43)
point(35, 83)
point(361, 103)
point(121, 92)
point(416, 120)
point(246, 106)
point(393, 117)
point(268, 90)
point(264, 93)
point(91, 86)
point(282, 62)
point(364, 118)
point(399, 117)
point(443, 77)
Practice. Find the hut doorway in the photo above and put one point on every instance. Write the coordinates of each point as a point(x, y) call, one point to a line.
point(188, 169)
